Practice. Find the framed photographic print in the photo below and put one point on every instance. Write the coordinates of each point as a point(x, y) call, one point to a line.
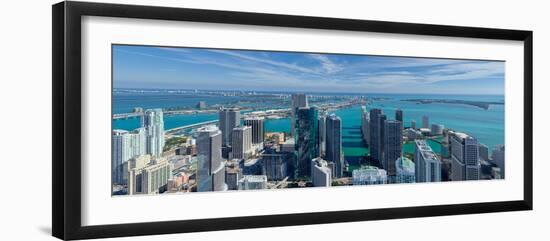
point(170, 120)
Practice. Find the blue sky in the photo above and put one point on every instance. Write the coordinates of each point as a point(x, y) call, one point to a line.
point(216, 69)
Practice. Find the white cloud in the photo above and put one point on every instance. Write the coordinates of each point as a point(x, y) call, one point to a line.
point(327, 65)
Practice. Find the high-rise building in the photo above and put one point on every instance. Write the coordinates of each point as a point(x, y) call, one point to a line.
point(427, 164)
point(253, 182)
point(153, 122)
point(365, 119)
point(425, 121)
point(498, 157)
point(306, 139)
point(393, 145)
point(148, 176)
point(275, 164)
point(413, 134)
point(125, 145)
point(405, 171)
point(297, 100)
point(437, 129)
point(334, 152)
point(321, 175)
point(483, 152)
point(322, 133)
point(376, 129)
point(413, 124)
point(229, 118)
point(465, 157)
point(257, 125)
point(232, 177)
point(201, 105)
point(241, 144)
point(211, 169)
point(369, 175)
point(399, 115)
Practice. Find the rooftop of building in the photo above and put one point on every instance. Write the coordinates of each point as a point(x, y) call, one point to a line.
point(425, 150)
point(242, 128)
point(289, 141)
point(461, 135)
point(320, 162)
point(392, 121)
point(251, 162)
point(254, 178)
point(369, 170)
point(405, 163)
point(254, 118)
point(119, 132)
point(229, 109)
point(208, 128)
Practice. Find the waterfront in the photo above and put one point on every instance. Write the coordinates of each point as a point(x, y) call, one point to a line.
point(243, 120)
point(486, 125)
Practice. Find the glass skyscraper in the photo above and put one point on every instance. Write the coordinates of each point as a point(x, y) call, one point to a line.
point(334, 152)
point(393, 144)
point(306, 139)
point(376, 133)
point(228, 119)
point(297, 100)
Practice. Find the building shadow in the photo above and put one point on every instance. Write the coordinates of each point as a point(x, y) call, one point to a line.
point(45, 230)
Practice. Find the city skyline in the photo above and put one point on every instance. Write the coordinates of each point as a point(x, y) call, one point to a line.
point(262, 124)
point(146, 67)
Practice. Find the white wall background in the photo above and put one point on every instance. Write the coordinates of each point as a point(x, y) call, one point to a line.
point(25, 119)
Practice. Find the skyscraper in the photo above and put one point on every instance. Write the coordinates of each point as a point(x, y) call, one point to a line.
point(484, 152)
point(211, 171)
point(306, 139)
point(437, 129)
point(413, 124)
point(126, 145)
point(465, 157)
point(229, 118)
point(498, 156)
point(153, 122)
point(425, 121)
point(393, 145)
point(297, 100)
point(376, 129)
point(322, 133)
point(399, 115)
point(427, 164)
point(321, 175)
point(365, 119)
point(334, 152)
point(405, 171)
point(257, 125)
point(241, 142)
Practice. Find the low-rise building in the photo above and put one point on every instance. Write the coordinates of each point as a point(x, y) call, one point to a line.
point(369, 175)
point(321, 175)
point(253, 182)
point(148, 176)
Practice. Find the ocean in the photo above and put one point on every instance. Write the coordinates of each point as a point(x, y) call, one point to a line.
point(485, 125)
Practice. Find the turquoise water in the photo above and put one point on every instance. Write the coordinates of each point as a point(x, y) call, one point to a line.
point(486, 125)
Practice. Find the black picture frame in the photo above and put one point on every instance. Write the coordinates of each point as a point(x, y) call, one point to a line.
point(66, 141)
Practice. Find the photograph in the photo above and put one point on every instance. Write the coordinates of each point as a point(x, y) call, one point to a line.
point(191, 119)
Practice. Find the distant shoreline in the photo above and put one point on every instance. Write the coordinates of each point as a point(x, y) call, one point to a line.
point(481, 104)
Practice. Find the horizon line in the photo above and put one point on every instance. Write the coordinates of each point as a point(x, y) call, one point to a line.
point(305, 92)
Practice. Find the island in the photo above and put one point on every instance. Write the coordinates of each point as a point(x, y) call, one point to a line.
point(481, 104)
